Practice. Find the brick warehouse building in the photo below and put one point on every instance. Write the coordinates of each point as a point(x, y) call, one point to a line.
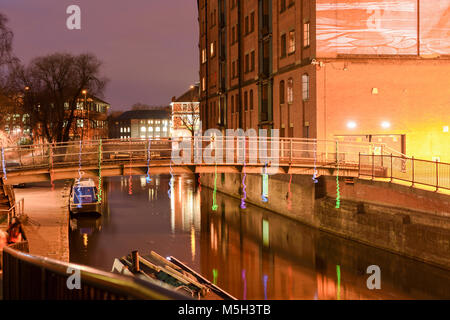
point(330, 69)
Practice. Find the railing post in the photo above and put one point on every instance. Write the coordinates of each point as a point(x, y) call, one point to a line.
point(290, 152)
point(373, 165)
point(359, 165)
point(437, 175)
point(412, 164)
point(392, 169)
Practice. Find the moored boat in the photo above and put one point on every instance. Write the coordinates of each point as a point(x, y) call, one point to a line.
point(170, 273)
point(84, 197)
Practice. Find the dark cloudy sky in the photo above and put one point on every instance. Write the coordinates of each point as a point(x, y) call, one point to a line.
point(149, 47)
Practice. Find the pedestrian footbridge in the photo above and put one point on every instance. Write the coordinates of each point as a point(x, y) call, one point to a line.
point(49, 162)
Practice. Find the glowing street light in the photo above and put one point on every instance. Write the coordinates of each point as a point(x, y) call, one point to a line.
point(385, 124)
point(351, 124)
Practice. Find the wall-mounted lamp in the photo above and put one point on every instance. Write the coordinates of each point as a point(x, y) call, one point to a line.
point(351, 125)
point(385, 124)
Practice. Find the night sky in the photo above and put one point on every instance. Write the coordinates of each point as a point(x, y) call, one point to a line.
point(149, 47)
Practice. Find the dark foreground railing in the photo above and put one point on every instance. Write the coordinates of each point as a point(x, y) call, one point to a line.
point(27, 277)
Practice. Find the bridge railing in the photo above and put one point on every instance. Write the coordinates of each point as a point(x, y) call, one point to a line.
point(28, 277)
point(289, 151)
point(416, 171)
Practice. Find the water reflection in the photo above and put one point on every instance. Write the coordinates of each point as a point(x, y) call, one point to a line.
point(251, 253)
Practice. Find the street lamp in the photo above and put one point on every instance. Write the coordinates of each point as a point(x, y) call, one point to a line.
point(85, 105)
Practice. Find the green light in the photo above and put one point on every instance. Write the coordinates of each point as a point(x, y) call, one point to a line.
point(265, 233)
point(338, 192)
point(215, 206)
point(215, 275)
point(338, 271)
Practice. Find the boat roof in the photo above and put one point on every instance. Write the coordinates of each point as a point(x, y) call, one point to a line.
point(85, 183)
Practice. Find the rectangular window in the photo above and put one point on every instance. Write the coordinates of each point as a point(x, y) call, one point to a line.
point(252, 22)
point(305, 86)
point(247, 63)
point(246, 100)
point(306, 34)
point(247, 25)
point(283, 45)
point(291, 41)
point(233, 39)
point(204, 55)
point(282, 5)
point(252, 63)
point(213, 51)
point(251, 99)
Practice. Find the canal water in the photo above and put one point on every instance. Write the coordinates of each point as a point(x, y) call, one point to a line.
point(252, 253)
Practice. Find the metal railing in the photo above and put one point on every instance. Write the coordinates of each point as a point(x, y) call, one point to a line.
point(416, 171)
point(27, 277)
point(289, 151)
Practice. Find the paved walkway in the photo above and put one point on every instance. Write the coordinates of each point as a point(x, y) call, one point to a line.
point(48, 219)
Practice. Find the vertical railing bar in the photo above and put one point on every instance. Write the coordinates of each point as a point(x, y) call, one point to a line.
point(437, 175)
point(392, 169)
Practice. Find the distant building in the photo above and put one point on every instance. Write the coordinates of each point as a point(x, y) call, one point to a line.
point(142, 124)
point(186, 113)
point(90, 119)
point(15, 124)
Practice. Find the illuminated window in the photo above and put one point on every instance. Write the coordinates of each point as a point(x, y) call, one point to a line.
point(157, 129)
point(204, 56)
point(143, 129)
point(305, 86)
point(150, 129)
point(290, 91)
point(291, 42)
point(446, 129)
point(306, 34)
point(213, 51)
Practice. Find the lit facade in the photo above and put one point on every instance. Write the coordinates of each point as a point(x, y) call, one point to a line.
point(329, 69)
point(143, 124)
point(91, 121)
point(186, 113)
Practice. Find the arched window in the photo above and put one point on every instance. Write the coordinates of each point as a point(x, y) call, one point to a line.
point(282, 92)
point(305, 86)
point(290, 91)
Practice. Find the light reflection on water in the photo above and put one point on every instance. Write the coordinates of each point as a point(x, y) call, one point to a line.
point(251, 253)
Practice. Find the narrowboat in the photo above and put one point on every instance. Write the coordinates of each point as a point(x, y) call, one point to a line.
point(84, 197)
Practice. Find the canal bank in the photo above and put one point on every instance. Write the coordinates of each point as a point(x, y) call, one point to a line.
point(46, 219)
point(414, 223)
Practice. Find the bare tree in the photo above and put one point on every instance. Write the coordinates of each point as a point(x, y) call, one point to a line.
point(7, 59)
point(188, 116)
point(52, 86)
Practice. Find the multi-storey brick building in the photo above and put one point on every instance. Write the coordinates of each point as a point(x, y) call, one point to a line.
point(329, 69)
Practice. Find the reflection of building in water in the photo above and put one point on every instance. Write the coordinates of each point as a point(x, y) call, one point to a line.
point(253, 253)
point(185, 205)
